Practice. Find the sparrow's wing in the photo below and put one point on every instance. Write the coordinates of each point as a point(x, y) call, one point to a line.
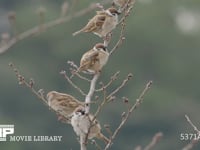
point(102, 12)
point(67, 98)
point(89, 58)
point(61, 99)
point(91, 55)
point(95, 23)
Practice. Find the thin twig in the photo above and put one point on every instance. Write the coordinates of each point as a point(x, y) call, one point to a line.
point(121, 38)
point(82, 77)
point(190, 145)
point(137, 103)
point(109, 97)
point(29, 84)
point(39, 93)
point(194, 141)
point(72, 83)
point(102, 103)
point(192, 124)
point(128, 7)
point(72, 64)
point(138, 148)
point(74, 69)
point(154, 141)
point(113, 78)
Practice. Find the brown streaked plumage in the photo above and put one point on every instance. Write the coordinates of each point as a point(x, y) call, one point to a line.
point(81, 123)
point(94, 59)
point(102, 23)
point(63, 103)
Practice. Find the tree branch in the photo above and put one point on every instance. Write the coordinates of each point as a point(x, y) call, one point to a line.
point(127, 8)
point(72, 83)
point(138, 148)
point(84, 138)
point(192, 124)
point(190, 145)
point(124, 120)
point(91, 92)
point(39, 93)
point(193, 142)
point(37, 29)
point(154, 141)
point(113, 78)
point(109, 97)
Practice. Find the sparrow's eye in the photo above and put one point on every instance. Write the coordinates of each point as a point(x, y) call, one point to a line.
point(104, 48)
point(82, 112)
point(114, 14)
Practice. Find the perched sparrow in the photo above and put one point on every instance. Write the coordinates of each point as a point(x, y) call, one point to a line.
point(120, 3)
point(103, 23)
point(65, 104)
point(82, 123)
point(94, 59)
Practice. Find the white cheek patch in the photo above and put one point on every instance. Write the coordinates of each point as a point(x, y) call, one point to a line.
point(108, 12)
point(95, 49)
point(79, 114)
point(104, 51)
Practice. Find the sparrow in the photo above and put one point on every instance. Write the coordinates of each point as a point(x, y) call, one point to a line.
point(102, 23)
point(62, 103)
point(94, 59)
point(83, 123)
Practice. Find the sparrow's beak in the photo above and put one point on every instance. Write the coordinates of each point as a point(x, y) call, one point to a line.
point(119, 12)
point(105, 48)
point(82, 112)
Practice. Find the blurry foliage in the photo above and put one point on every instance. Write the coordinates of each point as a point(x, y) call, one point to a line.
point(155, 49)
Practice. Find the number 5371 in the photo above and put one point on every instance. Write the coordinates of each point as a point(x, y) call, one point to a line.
point(189, 136)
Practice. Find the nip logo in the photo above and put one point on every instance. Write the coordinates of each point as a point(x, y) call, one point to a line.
point(6, 130)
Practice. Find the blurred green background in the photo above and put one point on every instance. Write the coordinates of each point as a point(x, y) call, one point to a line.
point(162, 44)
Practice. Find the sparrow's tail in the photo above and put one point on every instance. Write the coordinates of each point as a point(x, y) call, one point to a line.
point(77, 32)
point(103, 137)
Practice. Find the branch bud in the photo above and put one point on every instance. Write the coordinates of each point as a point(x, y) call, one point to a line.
point(125, 100)
point(130, 75)
point(31, 83)
point(41, 92)
point(10, 64)
point(20, 79)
